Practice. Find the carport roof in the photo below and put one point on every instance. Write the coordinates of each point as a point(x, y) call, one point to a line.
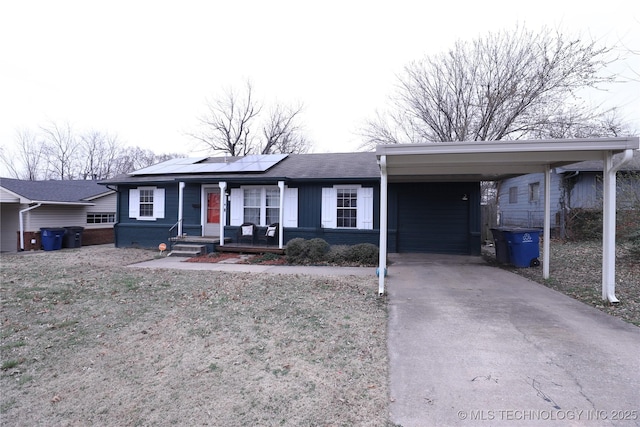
point(492, 160)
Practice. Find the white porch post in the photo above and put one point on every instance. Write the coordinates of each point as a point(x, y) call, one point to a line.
point(180, 207)
point(382, 264)
point(281, 215)
point(223, 209)
point(546, 234)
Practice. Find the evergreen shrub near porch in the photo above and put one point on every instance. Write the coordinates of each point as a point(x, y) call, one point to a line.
point(317, 251)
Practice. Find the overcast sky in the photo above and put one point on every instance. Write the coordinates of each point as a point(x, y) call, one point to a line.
point(144, 69)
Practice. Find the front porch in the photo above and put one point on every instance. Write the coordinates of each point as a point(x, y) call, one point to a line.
point(248, 248)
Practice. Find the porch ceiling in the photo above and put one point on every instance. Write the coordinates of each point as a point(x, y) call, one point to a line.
point(491, 160)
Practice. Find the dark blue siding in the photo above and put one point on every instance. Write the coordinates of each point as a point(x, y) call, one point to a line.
point(432, 217)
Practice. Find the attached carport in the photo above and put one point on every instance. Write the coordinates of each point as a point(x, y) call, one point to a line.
point(450, 162)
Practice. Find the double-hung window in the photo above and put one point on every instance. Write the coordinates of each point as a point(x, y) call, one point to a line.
point(146, 203)
point(261, 206)
point(347, 206)
point(534, 192)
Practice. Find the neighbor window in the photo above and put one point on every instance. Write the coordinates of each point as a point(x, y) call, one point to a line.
point(534, 192)
point(101, 218)
point(513, 195)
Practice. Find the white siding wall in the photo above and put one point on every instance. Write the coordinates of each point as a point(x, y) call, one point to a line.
point(525, 213)
point(106, 204)
point(55, 216)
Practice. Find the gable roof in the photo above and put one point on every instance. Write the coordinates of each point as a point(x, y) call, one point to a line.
point(597, 165)
point(54, 191)
point(293, 167)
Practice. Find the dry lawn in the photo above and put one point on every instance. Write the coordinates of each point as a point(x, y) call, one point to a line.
point(87, 341)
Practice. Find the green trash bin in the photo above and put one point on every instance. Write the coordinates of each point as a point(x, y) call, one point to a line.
point(51, 238)
point(72, 237)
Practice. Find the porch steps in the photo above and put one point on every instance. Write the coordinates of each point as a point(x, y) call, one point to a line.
point(187, 250)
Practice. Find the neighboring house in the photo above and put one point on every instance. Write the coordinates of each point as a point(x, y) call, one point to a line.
point(577, 185)
point(333, 196)
point(27, 206)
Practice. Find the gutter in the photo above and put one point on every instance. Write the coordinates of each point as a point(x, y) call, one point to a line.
point(22, 223)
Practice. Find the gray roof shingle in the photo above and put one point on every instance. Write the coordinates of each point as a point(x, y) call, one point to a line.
point(69, 191)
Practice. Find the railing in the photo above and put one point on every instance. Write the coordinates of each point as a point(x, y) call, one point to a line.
point(170, 238)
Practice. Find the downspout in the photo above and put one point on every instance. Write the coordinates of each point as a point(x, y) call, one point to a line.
point(180, 207)
point(609, 224)
point(223, 209)
point(281, 215)
point(22, 223)
point(382, 263)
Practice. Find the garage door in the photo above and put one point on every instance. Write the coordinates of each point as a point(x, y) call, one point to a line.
point(433, 217)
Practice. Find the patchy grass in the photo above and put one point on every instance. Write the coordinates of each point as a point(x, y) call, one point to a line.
point(85, 341)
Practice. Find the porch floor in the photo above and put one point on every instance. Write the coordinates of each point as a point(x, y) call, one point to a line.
point(249, 249)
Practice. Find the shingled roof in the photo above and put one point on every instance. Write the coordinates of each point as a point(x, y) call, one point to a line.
point(597, 165)
point(67, 191)
point(294, 167)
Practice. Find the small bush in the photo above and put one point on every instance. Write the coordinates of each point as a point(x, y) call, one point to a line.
point(296, 250)
point(317, 250)
point(338, 254)
point(363, 253)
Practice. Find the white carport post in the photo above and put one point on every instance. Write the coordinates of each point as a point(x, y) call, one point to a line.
point(609, 225)
point(382, 264)
point(546, 244)
point(223, 209)
point(281, 216)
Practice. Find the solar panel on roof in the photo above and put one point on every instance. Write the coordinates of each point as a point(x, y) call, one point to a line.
point(251, 163)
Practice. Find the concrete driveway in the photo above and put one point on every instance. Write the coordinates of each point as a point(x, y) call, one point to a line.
point(471, 344)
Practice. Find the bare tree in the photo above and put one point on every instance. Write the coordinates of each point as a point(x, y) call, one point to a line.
point(98, 153)
point(227, 123)
point(503, 86)
point(230, 123)
point(62, 150)
point(29, 159)
point(282, 133)
point(134, 158)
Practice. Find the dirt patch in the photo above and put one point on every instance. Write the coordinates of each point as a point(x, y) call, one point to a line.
point(87, 341)
point(575, 269)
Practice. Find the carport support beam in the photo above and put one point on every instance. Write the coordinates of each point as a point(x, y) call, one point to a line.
point(382, 264)
point(609, 224)
point(546, 237)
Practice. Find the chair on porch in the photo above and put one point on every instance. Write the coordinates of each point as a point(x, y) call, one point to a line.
point(247, 233)
point(270, 235)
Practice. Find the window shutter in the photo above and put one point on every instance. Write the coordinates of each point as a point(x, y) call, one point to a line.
point(134, 203)
point(158, 203)
point(236, 206)
point(290, 214)
point(329, 206)
point(365, 208)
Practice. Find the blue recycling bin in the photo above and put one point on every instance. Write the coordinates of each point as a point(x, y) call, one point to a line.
point(51, 238)
point(524, 247)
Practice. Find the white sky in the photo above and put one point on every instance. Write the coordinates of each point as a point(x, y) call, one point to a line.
point(144, 69)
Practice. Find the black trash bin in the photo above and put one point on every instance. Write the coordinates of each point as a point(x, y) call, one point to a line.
point(72, 237)
point(51, 238)
point(501, 245)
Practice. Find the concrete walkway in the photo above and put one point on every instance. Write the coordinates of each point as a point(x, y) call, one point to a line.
point(471, 344)
point(178, 262)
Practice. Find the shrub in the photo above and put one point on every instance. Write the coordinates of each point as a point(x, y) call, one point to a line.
point(296, 250)
point(338, 254)
point(363, 253)
point(317, 250)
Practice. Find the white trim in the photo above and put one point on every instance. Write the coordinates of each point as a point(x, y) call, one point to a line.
point(158, 203)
